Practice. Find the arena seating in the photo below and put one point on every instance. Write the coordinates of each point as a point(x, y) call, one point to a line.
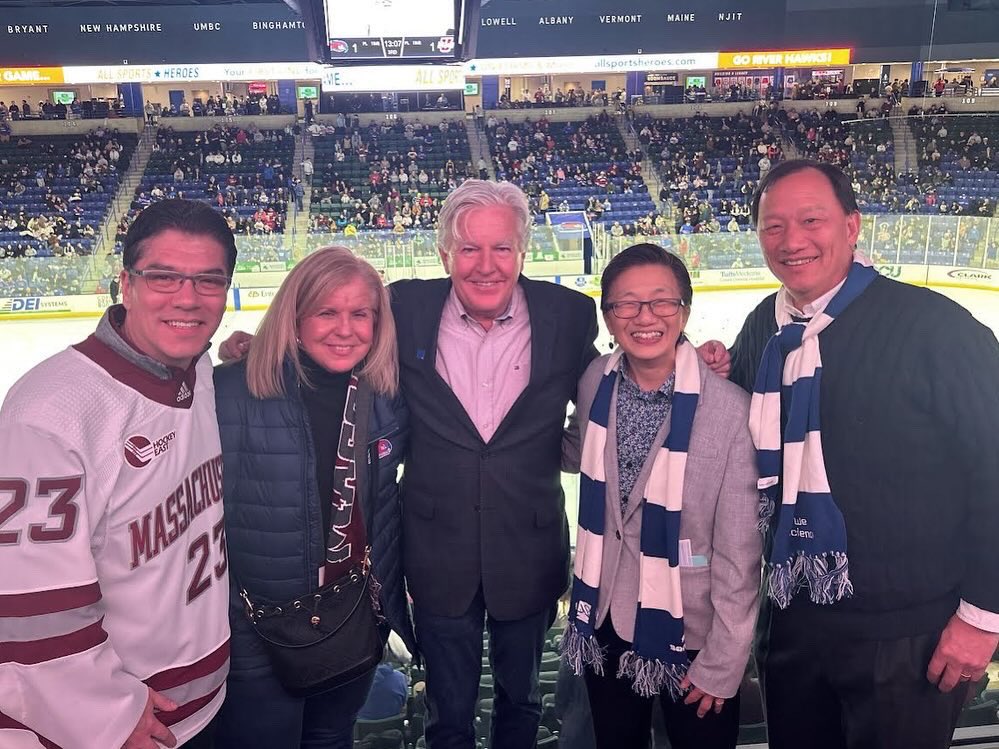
point(242, 173)
point(55, 192)
point(580, 166)
point(386, 175)
point(709, 167)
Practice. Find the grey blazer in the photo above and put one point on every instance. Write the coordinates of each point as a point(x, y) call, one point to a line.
point(720, 590)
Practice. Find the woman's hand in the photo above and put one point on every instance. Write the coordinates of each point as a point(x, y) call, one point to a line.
point(235, 347)
point(705, 701)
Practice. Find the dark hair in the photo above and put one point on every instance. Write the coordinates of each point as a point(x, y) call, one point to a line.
point(645, 253)
point(839, 182)
point(188, 216)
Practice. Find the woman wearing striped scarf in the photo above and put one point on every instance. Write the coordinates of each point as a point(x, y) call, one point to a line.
point(667, 561)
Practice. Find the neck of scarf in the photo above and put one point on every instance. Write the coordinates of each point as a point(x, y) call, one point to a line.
point(340, 551)
point(657, 659)
point(809, 540)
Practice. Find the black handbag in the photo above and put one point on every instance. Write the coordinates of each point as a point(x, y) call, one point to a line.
point(324, 639)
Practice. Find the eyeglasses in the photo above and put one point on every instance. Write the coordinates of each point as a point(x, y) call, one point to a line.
point(659, 307)
point(169, 281)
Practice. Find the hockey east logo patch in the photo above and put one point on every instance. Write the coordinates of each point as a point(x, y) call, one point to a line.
point(139, 450)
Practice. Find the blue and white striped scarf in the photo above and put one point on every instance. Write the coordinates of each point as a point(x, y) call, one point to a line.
point(809, 543)
point(658, 657)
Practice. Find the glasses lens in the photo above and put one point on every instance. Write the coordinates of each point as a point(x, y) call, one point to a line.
point(162, 280)
point(211, 284)
point(665, 307)
point(626, 310)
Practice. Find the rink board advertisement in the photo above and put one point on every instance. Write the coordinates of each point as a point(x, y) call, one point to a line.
point(257, 299)
point(76, 305)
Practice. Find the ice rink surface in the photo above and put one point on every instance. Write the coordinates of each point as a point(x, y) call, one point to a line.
point(717, 314)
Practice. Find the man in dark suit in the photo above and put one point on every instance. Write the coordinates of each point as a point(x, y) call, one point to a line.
point(489, 361)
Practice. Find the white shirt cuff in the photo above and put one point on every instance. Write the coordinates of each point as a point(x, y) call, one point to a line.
point(987, 621)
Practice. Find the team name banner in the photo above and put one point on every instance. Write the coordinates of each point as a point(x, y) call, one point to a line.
point(150, 35)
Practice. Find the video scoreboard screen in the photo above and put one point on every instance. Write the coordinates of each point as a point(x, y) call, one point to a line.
point(387, 29)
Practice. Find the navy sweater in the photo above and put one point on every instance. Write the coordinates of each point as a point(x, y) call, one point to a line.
point(909, 412)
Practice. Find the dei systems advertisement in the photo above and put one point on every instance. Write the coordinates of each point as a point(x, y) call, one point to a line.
point(558, 27)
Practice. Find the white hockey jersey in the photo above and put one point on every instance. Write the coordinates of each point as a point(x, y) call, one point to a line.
point(113, 573)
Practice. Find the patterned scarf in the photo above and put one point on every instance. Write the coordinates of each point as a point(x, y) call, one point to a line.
point(809, 543)
point(658, 657)
point(340, 550)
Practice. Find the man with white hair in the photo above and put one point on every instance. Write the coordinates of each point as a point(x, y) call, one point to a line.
point(489, 361)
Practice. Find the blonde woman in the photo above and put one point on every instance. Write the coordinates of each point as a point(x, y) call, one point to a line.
point(313, 430)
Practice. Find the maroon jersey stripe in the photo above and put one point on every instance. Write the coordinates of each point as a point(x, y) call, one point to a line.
point(50, 648)
point(175, 677)
point(7, 722)
point(49, 601)
point(187, 709)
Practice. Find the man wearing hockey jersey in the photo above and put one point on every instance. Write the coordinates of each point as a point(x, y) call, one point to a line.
point(113, 575)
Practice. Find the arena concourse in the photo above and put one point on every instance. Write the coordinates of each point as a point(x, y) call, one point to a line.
point(669, 155)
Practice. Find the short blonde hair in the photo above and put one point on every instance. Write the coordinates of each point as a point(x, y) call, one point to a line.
point(309, 282)
point(479, 193)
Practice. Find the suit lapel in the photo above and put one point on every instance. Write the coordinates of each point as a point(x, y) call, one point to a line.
point(427, 331)
point(543, 335)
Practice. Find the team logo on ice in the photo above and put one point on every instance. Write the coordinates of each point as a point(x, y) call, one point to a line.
point(139, 450)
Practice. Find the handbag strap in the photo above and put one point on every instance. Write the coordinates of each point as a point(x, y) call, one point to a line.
point(257, 611)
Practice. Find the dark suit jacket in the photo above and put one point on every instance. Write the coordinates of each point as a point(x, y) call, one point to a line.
point(489, 514)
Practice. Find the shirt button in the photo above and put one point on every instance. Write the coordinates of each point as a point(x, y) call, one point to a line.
point(617, 535)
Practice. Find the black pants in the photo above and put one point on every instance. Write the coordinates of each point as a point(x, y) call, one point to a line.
point(831, 693)
point(623, 719)
point(204, 739)
point(452, 649)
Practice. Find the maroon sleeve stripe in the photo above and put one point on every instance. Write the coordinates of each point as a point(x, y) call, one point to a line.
point(187, 709)
point(48, 649)
point(176, 677)
point(49, 601)
point(8, 722)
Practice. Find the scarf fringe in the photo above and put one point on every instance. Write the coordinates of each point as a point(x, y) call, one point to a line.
point(579, 650)
point(826, 585)
point(765, 511)
point(649, 676)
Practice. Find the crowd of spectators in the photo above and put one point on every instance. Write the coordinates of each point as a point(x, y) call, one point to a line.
point(55, 191)
point(228, 105)
point(244, 173)
point(385, 176)
point(545, 97)
point(709, 166)
point(579, 166)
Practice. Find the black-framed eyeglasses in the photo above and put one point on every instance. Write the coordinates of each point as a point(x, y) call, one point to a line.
point(659, 307)
point(170, 281)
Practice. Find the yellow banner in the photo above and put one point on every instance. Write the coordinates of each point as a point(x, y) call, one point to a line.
point(29, 76)
point(801, 58)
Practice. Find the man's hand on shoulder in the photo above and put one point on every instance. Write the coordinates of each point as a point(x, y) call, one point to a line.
point(236, 346)
point(963, 653)
point(150, 730)
point(717, 357)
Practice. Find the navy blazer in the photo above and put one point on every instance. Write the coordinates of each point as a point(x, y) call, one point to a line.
point(488, 514)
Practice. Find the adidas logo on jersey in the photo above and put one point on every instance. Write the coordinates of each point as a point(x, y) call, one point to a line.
point(184, 393)
point(139, 450)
